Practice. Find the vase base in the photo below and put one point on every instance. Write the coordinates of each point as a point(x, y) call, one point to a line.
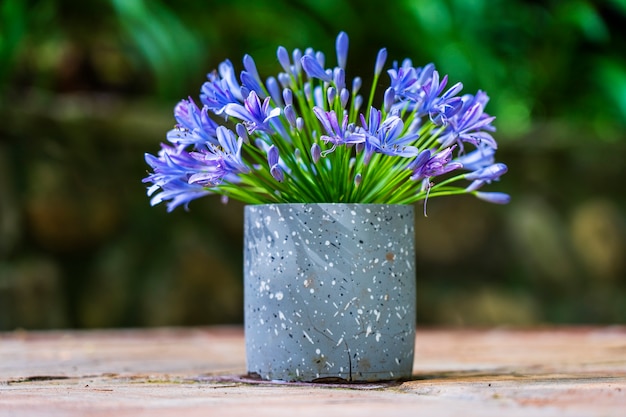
point(361, 379)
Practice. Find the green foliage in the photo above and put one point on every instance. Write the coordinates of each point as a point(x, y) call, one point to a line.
point(538, 60)
point(85, 87)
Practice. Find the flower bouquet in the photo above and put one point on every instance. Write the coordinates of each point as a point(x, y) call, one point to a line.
point(310, 135)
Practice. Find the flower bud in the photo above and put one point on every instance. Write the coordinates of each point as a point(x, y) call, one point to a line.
point(380, 61)
point(283, 58)
point(339, 78)
point(341, 45)
point(357, 82)
point(493, 197)
point(389, 98)
point(344, 96)
point(277, 173)
point(242, 132)
point(297, 60)
point(358, 102)
point(489, 173)
point(320, 58)
point(288, 96)
point(274, 90)
point(313, 69)
point(284, 79)
point(331, 94)
point(290, 115)
point(250, 66)
point(316, 152)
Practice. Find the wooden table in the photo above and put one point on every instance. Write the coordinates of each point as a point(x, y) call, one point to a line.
point(571, 371)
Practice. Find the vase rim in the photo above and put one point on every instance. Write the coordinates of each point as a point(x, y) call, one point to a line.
point(329, 204)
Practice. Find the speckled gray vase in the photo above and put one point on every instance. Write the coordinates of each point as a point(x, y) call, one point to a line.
point(329, 291)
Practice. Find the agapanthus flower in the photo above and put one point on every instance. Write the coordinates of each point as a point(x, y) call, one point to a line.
point(310, 133)
point(387, 137)
point(429, 165)
point(337, 134)
point(221, 89)
point(254, 114)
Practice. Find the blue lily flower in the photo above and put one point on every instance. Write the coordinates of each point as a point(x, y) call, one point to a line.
point(254, 114)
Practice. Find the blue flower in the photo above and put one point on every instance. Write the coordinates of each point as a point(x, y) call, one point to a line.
point(176, 193)
point(254, 114)
point(194, 125)
point(221, 89)
point(427, 165)
point(219, 161)
point(488, 173)
point(388, 138)
point(171, 171)
point(471, 124)
point(343, 134)
point(481, 157)
point(485, 175)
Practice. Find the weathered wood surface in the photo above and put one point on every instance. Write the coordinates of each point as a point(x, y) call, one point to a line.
point(198, 372)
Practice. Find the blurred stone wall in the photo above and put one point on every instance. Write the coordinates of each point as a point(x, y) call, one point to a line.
point(87, 88)
point(81, 247)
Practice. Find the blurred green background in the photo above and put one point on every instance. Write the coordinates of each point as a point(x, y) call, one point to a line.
point(88, 87)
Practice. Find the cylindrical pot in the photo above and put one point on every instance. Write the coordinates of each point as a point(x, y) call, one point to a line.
point(329, 291)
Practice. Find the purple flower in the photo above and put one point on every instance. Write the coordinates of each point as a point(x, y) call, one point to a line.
point(336, 134)
point(220, 161)
point(272, 138)
point(171, 170)
point(402, 79)
point(254, 114)
point(440, 107)
point(408, 82)
point(249, 83)
point(194, 125)
point(387, 138)
point(177, 192)
point(485, 175)
point(470, 124)
point(221, 89)
point(426, 166)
